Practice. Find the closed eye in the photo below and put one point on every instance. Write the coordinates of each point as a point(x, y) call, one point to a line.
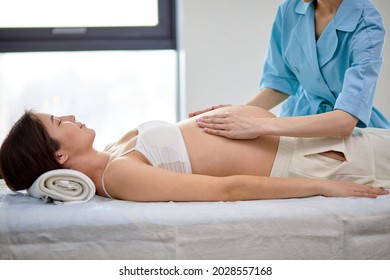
point(58, 120)
point(53, 118)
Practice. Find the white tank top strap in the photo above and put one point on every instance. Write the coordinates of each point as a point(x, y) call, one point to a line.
point(127, 152)
point(104, 187)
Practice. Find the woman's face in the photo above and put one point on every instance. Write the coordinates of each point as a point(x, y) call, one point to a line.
point(71, 134)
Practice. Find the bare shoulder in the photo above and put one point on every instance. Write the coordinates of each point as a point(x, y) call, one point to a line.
point(121, 174)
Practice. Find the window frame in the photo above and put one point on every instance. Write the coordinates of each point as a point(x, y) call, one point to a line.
point(161, 36)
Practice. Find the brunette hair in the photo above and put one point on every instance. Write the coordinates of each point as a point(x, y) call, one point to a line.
point(27, 152)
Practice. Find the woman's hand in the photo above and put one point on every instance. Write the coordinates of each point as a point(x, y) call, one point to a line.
point(231, 125)
point(238, 125)
point(350, 189)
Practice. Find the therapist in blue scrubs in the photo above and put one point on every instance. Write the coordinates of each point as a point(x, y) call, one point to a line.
point(323, 60)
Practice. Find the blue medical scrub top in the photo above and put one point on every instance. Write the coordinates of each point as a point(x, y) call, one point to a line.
point(337, 71)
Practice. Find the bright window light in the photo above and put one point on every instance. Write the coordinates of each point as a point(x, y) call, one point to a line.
point(110, 91)
point(78, 13)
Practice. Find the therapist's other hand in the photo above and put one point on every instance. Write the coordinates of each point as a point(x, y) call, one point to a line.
point(230, 125)
point(196, 113)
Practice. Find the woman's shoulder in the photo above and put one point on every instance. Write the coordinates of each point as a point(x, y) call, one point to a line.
point(121, 172)
point(371, 15)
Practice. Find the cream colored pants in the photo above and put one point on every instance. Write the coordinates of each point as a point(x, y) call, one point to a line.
point(366, 152)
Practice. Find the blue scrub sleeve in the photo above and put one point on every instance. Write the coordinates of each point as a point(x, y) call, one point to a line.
point(360, 79)
point(276, 74)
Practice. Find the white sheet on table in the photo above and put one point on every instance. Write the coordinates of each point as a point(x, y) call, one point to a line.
point(309, 228)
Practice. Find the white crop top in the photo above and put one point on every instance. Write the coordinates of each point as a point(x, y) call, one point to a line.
point(163, 146)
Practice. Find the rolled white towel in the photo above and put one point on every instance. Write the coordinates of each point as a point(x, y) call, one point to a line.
point(63, 186)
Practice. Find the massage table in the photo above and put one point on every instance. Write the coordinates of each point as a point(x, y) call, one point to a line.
point(304, 228)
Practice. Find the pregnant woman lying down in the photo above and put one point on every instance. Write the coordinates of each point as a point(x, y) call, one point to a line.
point(159, 161)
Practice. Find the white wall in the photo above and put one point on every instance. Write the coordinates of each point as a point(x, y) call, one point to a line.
point(382, 98)
point(224, 43)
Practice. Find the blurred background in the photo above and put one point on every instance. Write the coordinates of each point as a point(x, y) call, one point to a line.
point(115, 64)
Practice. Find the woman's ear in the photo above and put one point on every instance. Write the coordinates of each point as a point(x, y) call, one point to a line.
point(61, 158)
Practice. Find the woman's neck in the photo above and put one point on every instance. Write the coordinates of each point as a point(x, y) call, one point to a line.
point(325, 10)
point(328, 6)
point(93, 165)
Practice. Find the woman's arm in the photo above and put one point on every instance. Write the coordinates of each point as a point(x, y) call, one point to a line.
point(129, 179)
point(268, 98)
point(235, 125)
point(330, 124)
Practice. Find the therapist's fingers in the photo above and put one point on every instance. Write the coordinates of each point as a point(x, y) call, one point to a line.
point(219, 132)
point(214, 119)
point(224, 125)
point(196, 113)
point(217, 125)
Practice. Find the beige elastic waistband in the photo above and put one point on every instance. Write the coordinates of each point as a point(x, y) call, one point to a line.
point(283, 157)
